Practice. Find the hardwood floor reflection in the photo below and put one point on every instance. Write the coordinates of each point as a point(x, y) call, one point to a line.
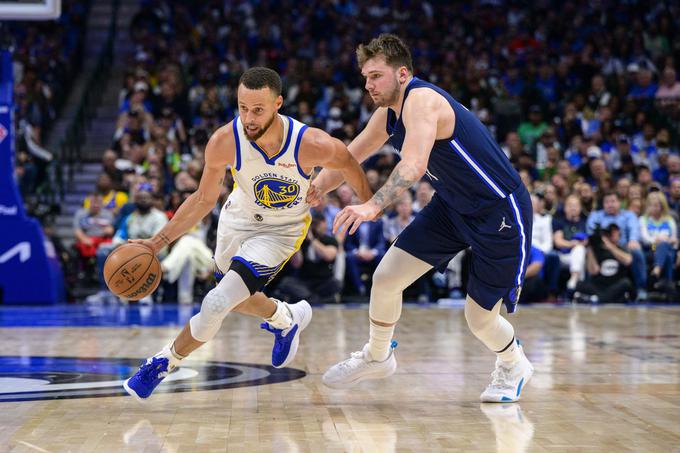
point(607, 379)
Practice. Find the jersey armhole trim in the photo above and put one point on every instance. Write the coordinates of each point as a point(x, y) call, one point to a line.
point(238, 144)
point(297, 151)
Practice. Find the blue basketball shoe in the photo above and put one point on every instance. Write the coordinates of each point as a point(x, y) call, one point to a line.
point(147, 378)
point(286, 340)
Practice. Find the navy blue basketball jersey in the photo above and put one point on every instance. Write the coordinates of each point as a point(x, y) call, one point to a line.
point(468, 170)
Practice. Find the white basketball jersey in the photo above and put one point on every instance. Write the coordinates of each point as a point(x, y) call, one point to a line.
point(269, 190)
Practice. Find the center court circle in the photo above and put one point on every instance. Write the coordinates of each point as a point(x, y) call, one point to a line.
point(46, 378)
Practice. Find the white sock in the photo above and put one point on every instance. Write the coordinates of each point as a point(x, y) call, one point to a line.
point(379, 343)
point(169, 353)
point(511, 354)
point(282, 317)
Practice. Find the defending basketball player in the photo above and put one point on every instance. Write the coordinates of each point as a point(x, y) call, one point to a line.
point(262, 224)
point(480, 203)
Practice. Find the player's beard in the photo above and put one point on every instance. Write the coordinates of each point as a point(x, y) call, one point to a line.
point(390, 98)
point(260, 132)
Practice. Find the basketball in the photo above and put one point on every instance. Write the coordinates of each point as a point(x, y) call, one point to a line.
point(132, 271)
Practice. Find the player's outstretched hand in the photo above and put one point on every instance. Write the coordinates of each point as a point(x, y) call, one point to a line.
point(314, 195)
point(353, 216)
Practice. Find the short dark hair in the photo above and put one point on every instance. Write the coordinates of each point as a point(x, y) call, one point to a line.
point(609, 193)
point(389, 46)
point(259, 77)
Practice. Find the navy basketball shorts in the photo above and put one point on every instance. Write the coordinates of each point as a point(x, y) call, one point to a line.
point(499, 240)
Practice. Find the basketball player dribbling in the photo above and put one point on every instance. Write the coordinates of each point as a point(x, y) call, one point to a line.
point(480, 203)
point(262, 224)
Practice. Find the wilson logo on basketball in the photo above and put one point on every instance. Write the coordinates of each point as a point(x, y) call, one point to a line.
point(148, 284)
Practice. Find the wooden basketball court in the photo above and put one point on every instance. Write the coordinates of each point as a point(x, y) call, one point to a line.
point(607, 379)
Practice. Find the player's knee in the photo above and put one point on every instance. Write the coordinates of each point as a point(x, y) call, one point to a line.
point(203, 328)
point(478, 319)
point(386, 281)
point(214, 309)
point(216, 305)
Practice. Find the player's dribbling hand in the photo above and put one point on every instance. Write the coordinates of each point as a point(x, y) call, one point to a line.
point(145, 242)
point(353, 216)
point(314, 195)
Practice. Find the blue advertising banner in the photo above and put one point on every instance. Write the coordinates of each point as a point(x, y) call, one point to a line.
point(29, 269)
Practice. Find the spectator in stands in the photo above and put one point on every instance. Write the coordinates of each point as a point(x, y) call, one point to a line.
point(635, 206)
point(659, 235)
point(112, 199)
point(628, 234)
point(315, 261)
point(364, 249)
point(587, 197)
point(132, 127)
point(424, 193)
point(92, 226)
point(607, 264)
point(668, 94)
point(570, 237)
point(673, 164)
point(138, 99)
point(345, 195)
point(674, 198)
point(533, 288)
point(328, 210)
point(614, 158)
point(542, 149)
point(644, 86)
point(542, 228)
point(530, 131)
point(393, 226)
point(109, 167)
point(189, 258)
point(513, 147)
point(622, 190)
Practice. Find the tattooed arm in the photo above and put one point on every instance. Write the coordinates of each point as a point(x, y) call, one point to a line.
point(220, 152)
point(420, 116)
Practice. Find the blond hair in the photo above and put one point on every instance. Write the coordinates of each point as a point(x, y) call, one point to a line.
point(661, 198)
point(388, 46)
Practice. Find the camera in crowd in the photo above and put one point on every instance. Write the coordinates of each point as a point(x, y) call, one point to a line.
point(595, 239)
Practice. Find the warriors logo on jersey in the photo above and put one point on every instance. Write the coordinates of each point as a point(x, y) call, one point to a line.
point(276, 193)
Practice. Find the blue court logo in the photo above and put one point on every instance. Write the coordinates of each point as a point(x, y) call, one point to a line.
point(44, 378)
point(275, 193)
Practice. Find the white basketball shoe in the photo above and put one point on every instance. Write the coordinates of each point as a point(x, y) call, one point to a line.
point(508, 381)
point(360, 366)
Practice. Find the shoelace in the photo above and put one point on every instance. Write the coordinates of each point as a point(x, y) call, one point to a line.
point(499, 377)
point(280, 333)
point(150, 371)
point(356, 355)
point(267, 327)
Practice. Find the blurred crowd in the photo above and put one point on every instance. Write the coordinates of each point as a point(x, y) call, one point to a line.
point(586, 109)
point(46, 58)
